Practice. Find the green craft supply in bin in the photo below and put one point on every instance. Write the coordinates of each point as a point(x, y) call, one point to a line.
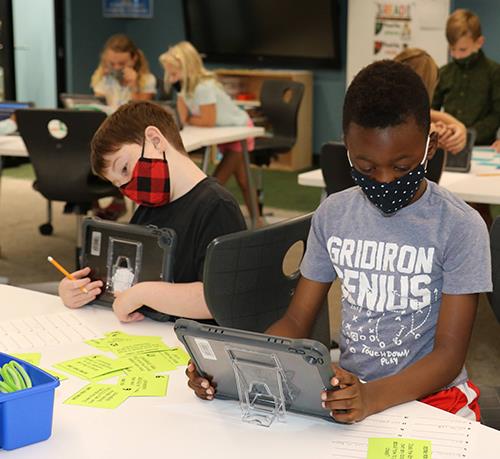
point(26, 415)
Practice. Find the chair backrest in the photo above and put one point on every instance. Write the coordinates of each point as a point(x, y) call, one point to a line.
point(494, 296)
point(60, 153)
point(461, 161)
point(435, 166)
point(243, 279)
point(335, 167)
point(280, 102)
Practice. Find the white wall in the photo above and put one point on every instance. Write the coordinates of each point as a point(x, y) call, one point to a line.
point(34, 52)
point(427, 25)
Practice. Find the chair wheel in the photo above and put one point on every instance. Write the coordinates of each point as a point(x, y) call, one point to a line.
point(46, 229)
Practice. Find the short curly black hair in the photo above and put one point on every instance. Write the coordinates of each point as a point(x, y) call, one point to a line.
point(386, 93)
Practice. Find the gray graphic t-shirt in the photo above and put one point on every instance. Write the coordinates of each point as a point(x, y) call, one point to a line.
point(394, 270)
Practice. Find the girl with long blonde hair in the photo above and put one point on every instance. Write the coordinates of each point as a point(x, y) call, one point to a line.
point(202, 101)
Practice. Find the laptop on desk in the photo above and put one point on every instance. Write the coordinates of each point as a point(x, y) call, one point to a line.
point(8, 107)
point(70, 100)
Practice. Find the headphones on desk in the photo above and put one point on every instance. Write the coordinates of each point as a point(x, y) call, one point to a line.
point(14, 377)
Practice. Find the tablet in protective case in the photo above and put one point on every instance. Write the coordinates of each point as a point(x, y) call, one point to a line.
point(121, 255)
point(228, 355)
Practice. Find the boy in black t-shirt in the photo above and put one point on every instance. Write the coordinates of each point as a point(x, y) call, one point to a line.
point(139, 149)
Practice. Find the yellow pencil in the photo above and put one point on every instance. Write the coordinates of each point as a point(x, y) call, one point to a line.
point(489, 174)
point(66, 273)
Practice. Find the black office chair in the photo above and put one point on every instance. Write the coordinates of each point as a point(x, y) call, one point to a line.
point(494, 296)
point(335, 167)
point(61, 159)
point(435, 166)
point(279, 103)
point(243, 279)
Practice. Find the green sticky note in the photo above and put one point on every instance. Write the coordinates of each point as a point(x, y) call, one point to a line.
point(135, 347)
point(123, 344)
point(111, 374)
point(99, 396)
point(91, 366)
point(119, 335)
point(155, 362)
point(399, 448)
point(142, 385)
point(178, 356)
point(31, 357)
point(99, 343)
point(58, 375)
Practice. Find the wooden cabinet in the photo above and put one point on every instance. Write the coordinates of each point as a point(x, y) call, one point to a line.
point(249, 82)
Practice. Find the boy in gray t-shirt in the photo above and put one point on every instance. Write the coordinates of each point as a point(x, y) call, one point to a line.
point(411, 257)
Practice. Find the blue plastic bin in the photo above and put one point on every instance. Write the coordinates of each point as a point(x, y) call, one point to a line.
point(26, 415)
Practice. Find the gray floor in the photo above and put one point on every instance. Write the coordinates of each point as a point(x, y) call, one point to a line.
point(23, 260)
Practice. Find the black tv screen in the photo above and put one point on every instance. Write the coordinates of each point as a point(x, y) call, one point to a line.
point(267, 32)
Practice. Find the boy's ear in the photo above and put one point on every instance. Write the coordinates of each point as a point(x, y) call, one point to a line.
point(480, 41)
point(433, 144)
point(154, 136)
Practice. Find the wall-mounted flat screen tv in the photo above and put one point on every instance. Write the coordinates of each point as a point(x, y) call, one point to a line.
point(296, 33)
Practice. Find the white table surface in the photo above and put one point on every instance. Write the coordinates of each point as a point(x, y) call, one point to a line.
point(180, 425)
point(193, 138)
point(471, 187)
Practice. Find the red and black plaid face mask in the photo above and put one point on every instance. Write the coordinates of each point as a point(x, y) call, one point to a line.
point(150, 182)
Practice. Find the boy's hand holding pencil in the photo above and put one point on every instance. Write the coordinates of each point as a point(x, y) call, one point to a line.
point(77, 289)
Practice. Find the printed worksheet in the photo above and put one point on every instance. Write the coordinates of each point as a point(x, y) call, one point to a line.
point(450, 438)
point(36, 332)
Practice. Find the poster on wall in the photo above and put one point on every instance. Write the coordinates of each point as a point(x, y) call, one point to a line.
point(381, 29)
point(392, 29)
point(136, 9)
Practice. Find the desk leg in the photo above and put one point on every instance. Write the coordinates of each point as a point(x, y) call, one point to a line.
point(206, 159)
point(251, 186)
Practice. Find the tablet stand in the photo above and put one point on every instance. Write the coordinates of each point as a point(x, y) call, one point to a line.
point(262, 386)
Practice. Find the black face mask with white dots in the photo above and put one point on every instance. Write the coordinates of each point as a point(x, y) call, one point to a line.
point(393, 196)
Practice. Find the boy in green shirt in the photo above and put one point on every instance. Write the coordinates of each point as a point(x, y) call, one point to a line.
point(469, 86)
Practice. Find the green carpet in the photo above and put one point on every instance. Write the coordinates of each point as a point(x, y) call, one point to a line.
point(281, 189)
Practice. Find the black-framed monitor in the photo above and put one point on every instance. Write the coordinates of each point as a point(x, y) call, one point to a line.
point(263, 32)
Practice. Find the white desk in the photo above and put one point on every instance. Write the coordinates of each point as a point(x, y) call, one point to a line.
point(192, 137)
point(471, 187)
point(180, 425)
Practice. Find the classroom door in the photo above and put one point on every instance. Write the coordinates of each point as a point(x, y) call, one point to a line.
point(35, 52)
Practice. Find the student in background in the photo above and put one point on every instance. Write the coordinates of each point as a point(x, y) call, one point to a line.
point(411, 256)
point(452, 133)
point(469, 86)
point(203, 102)
point(122, 75)
point(139, 149)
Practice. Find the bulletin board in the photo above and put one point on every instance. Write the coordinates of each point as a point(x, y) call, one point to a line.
point(378, 29)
